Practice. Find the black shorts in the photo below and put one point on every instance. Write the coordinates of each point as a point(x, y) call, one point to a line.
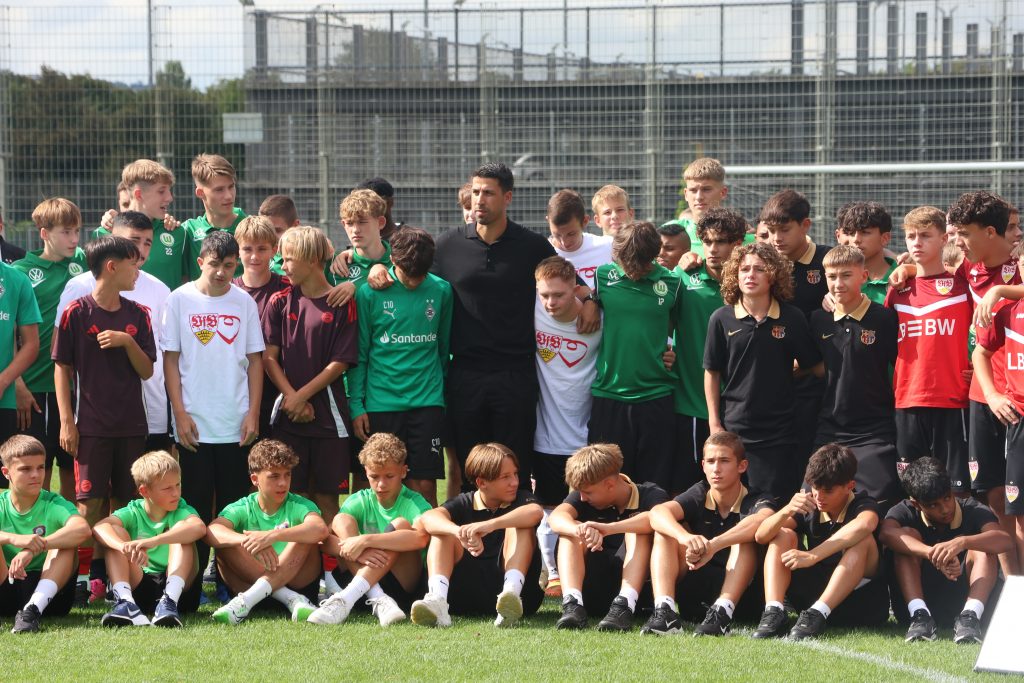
point(695, 590)
point(986, 454)
point(867, 605)
point(323, 463)
point(774, 469)
point(151, 589)
point(603, 579)
point(809, 391)
point(945, 598)
point(691, 433)
point(549, 478)
point(45, 426)
point(1014, 469)
point(644, 430)
point(8, 428)
point(938, 432)
point(420, 430)
point(876, 473)
point(13, 596)
point(103, 467)
point(390, 585)
point(476, 582)
point(159, 442)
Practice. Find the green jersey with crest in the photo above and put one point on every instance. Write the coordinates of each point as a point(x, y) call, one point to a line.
point(49, 514)
point(195, 232)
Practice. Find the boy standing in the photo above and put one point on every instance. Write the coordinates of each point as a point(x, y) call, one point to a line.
point(40, 532)
point(868, 226)
point(19, 342)
point(214, 177)
point(705, 189)
point(675, 244)
point(612, 209)
point(567, 222)
point(280, 210)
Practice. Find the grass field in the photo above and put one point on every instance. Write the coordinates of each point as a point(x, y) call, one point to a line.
point(268, 647)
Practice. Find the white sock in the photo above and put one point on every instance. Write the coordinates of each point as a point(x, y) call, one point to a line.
point(548, 542)
point(438, 585)
point(47, 589)
point(331, 583)
point(514, 581)
point(727, 605)
point(976, 606)
point(916, 604)
point(355, 589)
point(174, 586)
point(258, 591)
point(122, 591)
point(667, 601)
point(375, 592)
point(286, 596)
point(774, 603)
point(822, 607)
point(630, 595)
point(572, 593)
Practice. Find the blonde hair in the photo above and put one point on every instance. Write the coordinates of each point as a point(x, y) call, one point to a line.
point(952, 256)
point(843, 255)
point(608, 194)
point(705, 168)
point(924, 217)
point(308, 244)
point(57, 213)
point(382, 449)
point(20, 446)
point(591, 464)
point(145, 172)
point(256, 229)
point(362, 204)
point(206, 167)
point(485, 460)
point(153, 466)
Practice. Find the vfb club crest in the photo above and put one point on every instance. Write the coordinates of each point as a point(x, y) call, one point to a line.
point(1009, 271)
point(973, 468)
point(206, 326)
point(867, 337)
point(779, 331)
point(944, 285)
point(1011, 493)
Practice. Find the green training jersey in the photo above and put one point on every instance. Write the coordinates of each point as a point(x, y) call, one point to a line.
point(638, 317)
point(403, 346)
point(98, 233)
point(359, 268)
point(195, 232)
point(138, 524)
point(246, 514)
point(17, 307)
point(373, 518)
point(877, 289)
point(277, 265)
point(700, 298)
point(47, 279)
point(166, 261)
point(49, 514)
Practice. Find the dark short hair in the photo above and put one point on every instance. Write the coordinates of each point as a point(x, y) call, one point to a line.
point(856, 216)
point(412, 250)
point(730, 224)
point(670, 229)
point(219, 244)
point(981, 207)
point(108, 248)
point(926, 480)
point(785, 206)
point(132, 219)
point(496, 171)
point(280, 206)
point(831, 465)
point(564, 206)
point(382, 187)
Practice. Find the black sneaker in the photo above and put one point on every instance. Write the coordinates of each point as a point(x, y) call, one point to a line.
point(27, 620)
point(967, 628)
point(81, 594)
point(810, 624)
point(773, 623)
point(716, 622)
point(573, 615)
point(664, 621)
point(619, 617)
point(922, 627)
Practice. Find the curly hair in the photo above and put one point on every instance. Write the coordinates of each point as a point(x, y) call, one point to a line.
point(980, 207)
point(268, 453)
point(780, 271)
point(730, 225)
point(635, 247)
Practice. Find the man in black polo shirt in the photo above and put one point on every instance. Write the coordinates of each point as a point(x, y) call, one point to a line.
point(704, 552)
point(492, 383)
point(858, 344)
point(944, 552)
point(9, 253)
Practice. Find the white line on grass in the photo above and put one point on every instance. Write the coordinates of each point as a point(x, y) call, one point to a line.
point(885, 662)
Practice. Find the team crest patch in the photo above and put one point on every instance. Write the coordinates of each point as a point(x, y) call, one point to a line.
point(327, 317)
point(944, 285)
point(200, 233)
point(660, 288)
point(206, 326)
point(613, 275)
point(35, 274)
point(1009, 270)
point(39, 530)
point(75, 269)
point(902, 466)
point(85, 486)
point(429, 311)
point(1011, 493)
point(813, 276)
point(131, 330)
point(972, 467)
point(867, 337)
point(2, 289)
point(167, 239)
point(779, 331)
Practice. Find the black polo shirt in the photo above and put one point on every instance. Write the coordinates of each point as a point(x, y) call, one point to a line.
point(495, 293)
point(700, 509)
point(755, 360)
point(9, 253)
point(642, 498)
point(809, 282)
point(816, 527)
point(858, 350)
point(968, 520)
point(469, 508)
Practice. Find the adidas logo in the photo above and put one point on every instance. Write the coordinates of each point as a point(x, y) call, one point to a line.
point(93, 330)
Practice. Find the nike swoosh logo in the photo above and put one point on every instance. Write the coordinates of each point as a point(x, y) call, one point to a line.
point(826, 336)
point(732, 332)
point(134, 613)
point(36, 284)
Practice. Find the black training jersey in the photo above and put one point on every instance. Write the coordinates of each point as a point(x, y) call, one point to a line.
point(642, 498)
point(969, 518)
point(809, 282)
point(817, 527)
point(469, 508)
point(700, 509)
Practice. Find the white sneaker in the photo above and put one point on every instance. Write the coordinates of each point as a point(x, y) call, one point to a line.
point(301, 608)
point(432, 610)
point(509, 608)
point(333, 610)
point(234, 612)
point(386, 610)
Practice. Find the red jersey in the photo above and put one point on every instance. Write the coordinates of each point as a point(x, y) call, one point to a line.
point(981, 278)
point(1004, 337)
point(935, 315)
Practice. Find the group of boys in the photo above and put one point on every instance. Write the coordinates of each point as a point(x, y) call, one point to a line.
point(721, 359)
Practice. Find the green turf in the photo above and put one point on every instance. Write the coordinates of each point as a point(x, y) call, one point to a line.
point(268, 647)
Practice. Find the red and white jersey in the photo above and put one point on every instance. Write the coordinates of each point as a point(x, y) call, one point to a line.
point(935, 317)
point(1004, 337)
point(980, 279)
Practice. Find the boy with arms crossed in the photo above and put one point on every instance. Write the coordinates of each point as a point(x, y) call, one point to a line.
point(214, 177)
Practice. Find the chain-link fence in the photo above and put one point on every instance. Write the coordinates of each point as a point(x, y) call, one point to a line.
point(903, 102)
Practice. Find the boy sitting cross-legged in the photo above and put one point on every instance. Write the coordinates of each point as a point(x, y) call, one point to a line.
point(268, 542)
point(704, 551)
point(151, 553)
point(375, 539)
point(605, 538)
point(822, 552)
point(40, 533)
point(482, 544)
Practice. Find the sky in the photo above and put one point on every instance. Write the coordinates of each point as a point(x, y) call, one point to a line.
point(108, 38)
